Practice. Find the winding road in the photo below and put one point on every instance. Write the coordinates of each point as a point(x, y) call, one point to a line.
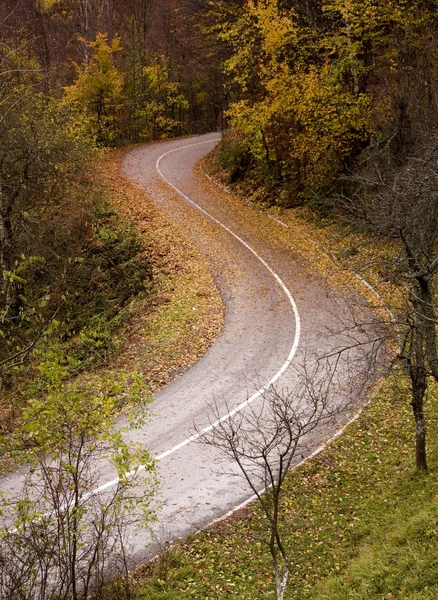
point(276, 306)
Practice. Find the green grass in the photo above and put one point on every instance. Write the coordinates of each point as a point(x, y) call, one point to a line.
point(405, 565)
point(360, 523)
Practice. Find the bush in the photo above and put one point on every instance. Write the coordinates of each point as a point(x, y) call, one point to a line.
point(234, 156)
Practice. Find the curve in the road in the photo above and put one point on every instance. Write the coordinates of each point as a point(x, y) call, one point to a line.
point(278, 280)
point(256, 339)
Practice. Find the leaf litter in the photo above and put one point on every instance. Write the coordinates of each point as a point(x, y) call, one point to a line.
point(174, 328)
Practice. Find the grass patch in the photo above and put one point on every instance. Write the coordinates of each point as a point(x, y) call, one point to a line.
point(359, 520)
point(404, 565)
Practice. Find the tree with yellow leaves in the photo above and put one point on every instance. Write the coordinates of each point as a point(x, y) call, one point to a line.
point(298, 114)
point(98, 86)
point(316, 82)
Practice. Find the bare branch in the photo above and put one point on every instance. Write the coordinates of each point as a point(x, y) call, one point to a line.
point(264, 439)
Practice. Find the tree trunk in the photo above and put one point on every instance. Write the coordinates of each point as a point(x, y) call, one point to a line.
point(7, 290)
point(281, 566)
point(418, 372)
point(418, 377)
point(281, 581)
point(353, 69)
point(429, 320)
point(267, 151)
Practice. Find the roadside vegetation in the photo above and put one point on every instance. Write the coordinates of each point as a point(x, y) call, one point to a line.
point(97, 305)
point(168, 330)
point(359, 522)
point(128, 282)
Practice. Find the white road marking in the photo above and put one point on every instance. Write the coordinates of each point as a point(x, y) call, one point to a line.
point(317, 451)
point(355, 417)
point(280, 282)
point(277, 375)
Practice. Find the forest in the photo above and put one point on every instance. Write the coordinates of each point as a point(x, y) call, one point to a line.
point(76, 77)
point(325, 106)
point(309, 92)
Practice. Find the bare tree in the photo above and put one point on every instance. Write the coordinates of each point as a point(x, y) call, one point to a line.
point(396, 200)
point(74, 549)
point(265, 439)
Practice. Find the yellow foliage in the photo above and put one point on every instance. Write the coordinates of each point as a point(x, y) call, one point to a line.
point(46, 5)
point(162, 96)
point(99, 84)
point(99, 77)
point(300, 113)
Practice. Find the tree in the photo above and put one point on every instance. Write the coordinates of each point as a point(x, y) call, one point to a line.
point(265, 439)
point(61, 538)
point(397, 203)
point(82, 19)
point(61, 34)
point(39, 160)
point(315, 83)
point(301, 119)
point(163, 102)
point(98, 86)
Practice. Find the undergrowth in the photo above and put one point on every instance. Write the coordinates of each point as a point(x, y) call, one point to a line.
point(113, 270)
point(131, 295)
point(84, 307)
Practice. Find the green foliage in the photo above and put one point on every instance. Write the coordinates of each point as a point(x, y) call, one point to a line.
point(83, 310)
point(68, 268)
point(112, 272)
point(40, 163)
point(67, 537)
point(71, 324)
point(65, 415)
